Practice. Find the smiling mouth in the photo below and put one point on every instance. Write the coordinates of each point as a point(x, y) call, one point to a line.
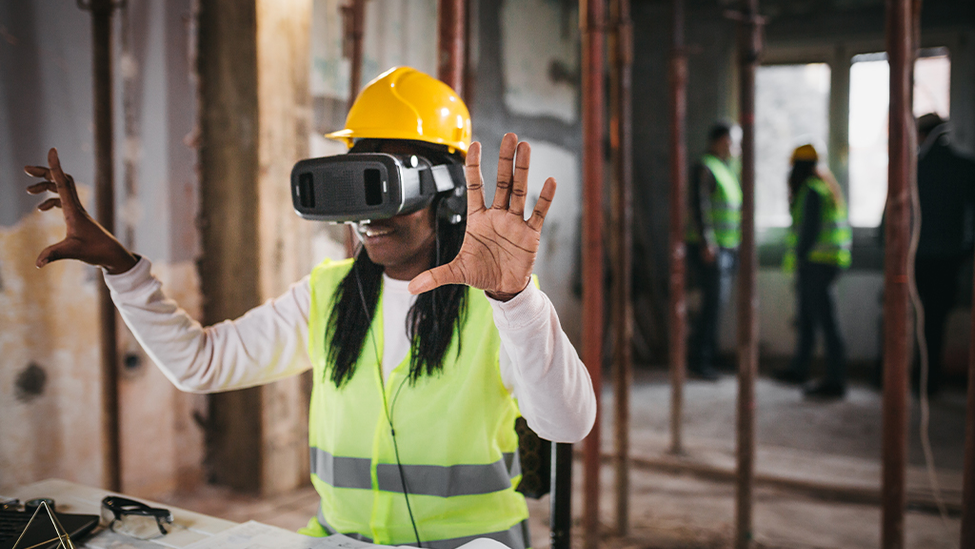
point(374, 232)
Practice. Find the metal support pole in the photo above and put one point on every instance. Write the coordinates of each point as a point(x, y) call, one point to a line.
point(101, 37)
point(561, 496)
point(354, 23)
point(592, 20)
point(897, 312)
point(750, 48)
point(354, 14)
point(968, 483)
point(678, 209)
point(620, 48)
point(451, 43)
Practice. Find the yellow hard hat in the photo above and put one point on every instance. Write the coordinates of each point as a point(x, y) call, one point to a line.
point(404, 103)
point(805, 152)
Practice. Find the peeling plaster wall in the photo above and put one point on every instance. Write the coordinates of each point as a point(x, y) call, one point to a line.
point(49, 383)
point(49, 318)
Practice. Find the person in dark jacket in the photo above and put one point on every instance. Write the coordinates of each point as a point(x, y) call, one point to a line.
point(713, 235)
point(946, 192)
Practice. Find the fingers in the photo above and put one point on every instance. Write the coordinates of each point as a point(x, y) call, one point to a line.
point(43, 186)
point(475, 182)
point(49, 203)
point(65, 184)
point(541, 207)
point(519, 187)
point(506, 157)
point(38, 171)
point(434, 278)
point(53, 252)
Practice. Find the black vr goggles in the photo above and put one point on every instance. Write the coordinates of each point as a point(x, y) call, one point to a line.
point(368, 186)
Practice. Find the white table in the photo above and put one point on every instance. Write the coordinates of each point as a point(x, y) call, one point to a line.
point(190, 527)
point(70, 497)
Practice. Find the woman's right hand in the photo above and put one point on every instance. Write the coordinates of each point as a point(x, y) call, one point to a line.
point(86, 240)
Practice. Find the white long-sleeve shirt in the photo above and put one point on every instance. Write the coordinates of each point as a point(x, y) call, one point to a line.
point(539, 366)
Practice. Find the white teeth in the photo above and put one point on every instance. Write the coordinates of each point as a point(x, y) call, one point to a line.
point(371, 232)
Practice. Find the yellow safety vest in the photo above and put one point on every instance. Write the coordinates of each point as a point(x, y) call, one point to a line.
point(835, 238)
point(725, 214)
point(454, 433)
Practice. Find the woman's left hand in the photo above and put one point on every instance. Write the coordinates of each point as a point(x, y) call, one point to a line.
point(499, 246)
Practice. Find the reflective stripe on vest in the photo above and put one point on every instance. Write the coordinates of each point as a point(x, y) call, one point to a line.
point(833, 243)
point(516, 536)
point(725, 214)
point(454, 435)
point(431, 480)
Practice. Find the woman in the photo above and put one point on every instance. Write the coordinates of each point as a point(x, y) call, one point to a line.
point(819, 247)
point(411, 427)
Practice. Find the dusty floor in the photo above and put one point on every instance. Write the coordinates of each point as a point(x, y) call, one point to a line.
point(818, 462)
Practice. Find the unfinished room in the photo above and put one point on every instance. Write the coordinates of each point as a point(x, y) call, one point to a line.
point(711, 259)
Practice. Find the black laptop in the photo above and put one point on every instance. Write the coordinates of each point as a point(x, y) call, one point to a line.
point(41, 534)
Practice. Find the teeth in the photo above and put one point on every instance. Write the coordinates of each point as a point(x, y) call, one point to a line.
point(377, 232)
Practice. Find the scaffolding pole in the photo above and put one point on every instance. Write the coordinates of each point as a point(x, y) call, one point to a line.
point(678, 209)
point(897, 268)
point(354, 24)
point(452, 43)
point(593, 25)
point(968, 484)
point(749, 50)
point(621, 240)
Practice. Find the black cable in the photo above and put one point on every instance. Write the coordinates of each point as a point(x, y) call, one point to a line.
point(389, 420)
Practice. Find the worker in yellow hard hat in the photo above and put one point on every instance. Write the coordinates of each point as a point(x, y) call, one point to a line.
point(419, 346)
point(819, 249)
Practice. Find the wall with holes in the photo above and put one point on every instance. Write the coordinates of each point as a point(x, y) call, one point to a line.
point(50, 411)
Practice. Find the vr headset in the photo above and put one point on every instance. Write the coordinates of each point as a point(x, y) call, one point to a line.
point(368, 186)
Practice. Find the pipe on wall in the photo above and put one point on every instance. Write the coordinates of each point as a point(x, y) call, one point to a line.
point(101, 33)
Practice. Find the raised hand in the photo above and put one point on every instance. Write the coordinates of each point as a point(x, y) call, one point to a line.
point(499, 246)
point(86, 240)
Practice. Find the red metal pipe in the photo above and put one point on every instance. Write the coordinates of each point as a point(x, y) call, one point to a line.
point(592, 20)
point(968, 484)
point(678, 200)
point(101, 35)
point(354, 19)
point(355, 23)
point(750, 49)
point(451, 43)
point(622, 241)
point(897, 313)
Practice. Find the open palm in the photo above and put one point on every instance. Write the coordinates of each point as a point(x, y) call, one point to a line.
point(500, 246)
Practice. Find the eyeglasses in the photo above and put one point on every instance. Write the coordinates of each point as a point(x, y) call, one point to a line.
point(135, 519)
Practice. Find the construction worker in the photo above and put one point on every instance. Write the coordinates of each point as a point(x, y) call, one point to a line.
point(819, 248)
point(713, 236)
point(415, 397)
point(946, 194)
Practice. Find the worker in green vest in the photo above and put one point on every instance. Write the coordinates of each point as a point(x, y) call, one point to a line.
point(713, 236)
point(424, 348)
point(818, 249)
